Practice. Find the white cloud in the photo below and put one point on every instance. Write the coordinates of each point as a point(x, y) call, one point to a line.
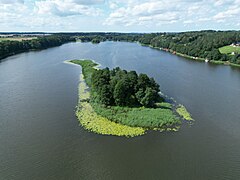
point(12, 11)
point(87, 2)
point(113, 5)
point(232, 12)
point(223, 2)
point(117, 15)
point(11, 1)
point(68, 7)
point(154, 11)
point(188, 22)
point(158, 12)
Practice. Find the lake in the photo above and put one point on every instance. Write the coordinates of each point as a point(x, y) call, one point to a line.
point(40, 137)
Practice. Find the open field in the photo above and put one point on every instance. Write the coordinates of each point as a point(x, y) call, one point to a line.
point(16, 38)
point(229, 49)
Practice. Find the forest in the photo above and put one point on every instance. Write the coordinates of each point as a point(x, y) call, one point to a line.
point(8, 47)
point(119, 87)
point(203, 44)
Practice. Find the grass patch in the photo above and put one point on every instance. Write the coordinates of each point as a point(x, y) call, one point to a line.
point(88, 67)
point(235, 65)
point(164, 105)
point(219, 62)
point(182, 111)
point(229, 49)
point(139, 117)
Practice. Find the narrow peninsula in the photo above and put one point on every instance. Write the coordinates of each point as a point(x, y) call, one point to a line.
point(123, 103)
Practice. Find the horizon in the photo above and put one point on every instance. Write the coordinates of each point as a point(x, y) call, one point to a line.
point(45, 32)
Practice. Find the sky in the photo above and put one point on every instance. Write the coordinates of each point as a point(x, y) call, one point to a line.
point(118, 15)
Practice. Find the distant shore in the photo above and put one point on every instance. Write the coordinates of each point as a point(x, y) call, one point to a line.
point(226, 63)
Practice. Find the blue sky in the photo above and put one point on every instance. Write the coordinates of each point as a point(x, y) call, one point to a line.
point(120, 16)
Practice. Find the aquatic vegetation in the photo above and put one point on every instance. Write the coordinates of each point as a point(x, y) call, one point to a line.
point(88, 66)
point(164, 105)
point(182, 111)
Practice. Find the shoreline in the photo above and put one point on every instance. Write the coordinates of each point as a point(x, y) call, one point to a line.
point(225, 63)
point(69, 62)
point(98, 66)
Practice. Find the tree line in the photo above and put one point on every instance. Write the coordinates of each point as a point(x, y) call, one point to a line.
point(9, 47)
point(119, 87)
point(202, 44)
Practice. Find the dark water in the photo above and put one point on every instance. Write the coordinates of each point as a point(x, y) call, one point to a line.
point(40, 137)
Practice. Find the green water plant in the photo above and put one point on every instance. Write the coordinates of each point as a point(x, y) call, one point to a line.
point(182, 111)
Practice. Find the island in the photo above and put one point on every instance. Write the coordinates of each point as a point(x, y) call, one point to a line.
point(123, 103)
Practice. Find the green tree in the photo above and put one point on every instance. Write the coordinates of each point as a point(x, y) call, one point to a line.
point(105, 94)
point(123, 94)
point(150, 98)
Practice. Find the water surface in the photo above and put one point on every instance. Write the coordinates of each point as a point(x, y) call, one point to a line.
point(40, 137)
